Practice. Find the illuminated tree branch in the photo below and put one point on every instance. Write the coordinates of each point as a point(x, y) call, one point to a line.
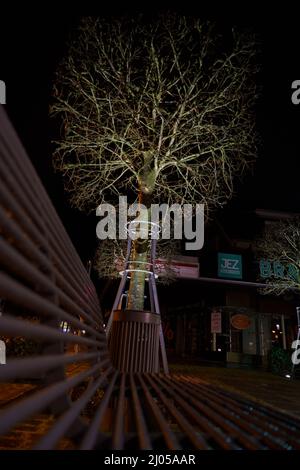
point(161, 110)
point(281, 242)
point(111, 254)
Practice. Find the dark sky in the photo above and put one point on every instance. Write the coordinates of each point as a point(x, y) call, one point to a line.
point(32, 45)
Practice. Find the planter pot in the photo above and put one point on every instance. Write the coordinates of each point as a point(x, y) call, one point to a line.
point(134, 341)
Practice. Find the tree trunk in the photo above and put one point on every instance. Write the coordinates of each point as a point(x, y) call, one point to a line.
point(139, 257)
point(137, 282)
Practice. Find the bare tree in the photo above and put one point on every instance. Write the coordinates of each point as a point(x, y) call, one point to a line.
point(110, 259)
point(161, 109)
point(281, 244)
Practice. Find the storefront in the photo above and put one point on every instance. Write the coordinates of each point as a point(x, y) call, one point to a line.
point(224, 314)
point(230, 325)
point(247, 336)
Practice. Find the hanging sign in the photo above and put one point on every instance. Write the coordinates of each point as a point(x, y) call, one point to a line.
point(229, 266)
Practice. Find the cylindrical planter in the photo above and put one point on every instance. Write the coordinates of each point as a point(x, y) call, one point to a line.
point(134, 341)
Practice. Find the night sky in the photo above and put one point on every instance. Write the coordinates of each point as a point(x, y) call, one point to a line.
point(32, 45)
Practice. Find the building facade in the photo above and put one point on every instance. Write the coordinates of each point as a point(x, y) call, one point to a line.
point(224, 315)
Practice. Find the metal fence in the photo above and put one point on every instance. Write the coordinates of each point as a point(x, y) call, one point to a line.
point(63, 391)
point(50, 310)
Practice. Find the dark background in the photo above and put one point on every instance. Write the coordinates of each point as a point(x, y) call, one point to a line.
point(32, 44)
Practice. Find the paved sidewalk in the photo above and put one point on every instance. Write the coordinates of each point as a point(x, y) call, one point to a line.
point(12, 391)
point(28, 433)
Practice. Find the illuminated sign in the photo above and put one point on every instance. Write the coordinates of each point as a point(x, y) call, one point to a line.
point(275, 268)
point(240, 321)
point(229, 266)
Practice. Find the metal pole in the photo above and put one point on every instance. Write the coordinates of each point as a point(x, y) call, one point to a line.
point(152, 285)
point(283, 332)
point(261, 337)
point(151, 268)
point(230, 335)
point(214, 348)
point(120, 289)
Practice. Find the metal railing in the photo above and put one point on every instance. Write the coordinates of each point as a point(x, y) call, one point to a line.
point(68, 395)
point(48, 298)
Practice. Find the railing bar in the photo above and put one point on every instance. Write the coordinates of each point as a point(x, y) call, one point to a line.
point(236, 421)
point(260, 411)
point(133, 347)
point(118, 435)
point(127, 346)
point(114, 352)
point(197, 440)
point(231, 404)
point(44, 262)
point(28, 406)
point(91, 301)
point(15, 179)
point(25, 297)
point(13, 326)
point(181, 396)
point(41, 197)
point(120, 342)
point(151, 351)
point(214, 411)
point(12, 204)
point(129, 355)
point(62, 253)
point(55, 234)
point(145, 339)
point(66, 420)
point(136, 343)
point(18, 368)
point(168, 435)
point(90, 437)
point(142, 431)
point(260, 422)
point(43, 276)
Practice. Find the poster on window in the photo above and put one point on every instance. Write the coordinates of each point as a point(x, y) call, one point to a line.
point(216, 322)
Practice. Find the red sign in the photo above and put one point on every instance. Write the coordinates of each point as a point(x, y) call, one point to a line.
point(216, 322)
